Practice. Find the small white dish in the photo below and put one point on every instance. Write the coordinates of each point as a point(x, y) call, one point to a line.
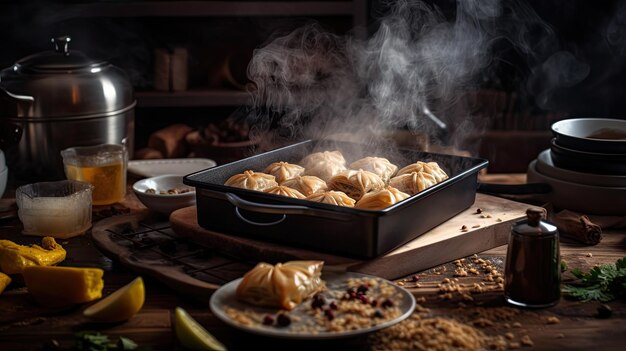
point(178, 166)
point(160, 201)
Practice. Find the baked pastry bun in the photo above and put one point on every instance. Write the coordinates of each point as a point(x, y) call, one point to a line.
point(323, 165)
point(252, 181)
point(284, 285)
point(377, 165)
point(284, 191)
point(356, 183)
point(413, 183)
point(384, 198)
point(333, 198)
point(307, 185)
point(431, 168)
point(283, 170)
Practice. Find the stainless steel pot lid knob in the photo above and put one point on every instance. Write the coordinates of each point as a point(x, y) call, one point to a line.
point(62, 44)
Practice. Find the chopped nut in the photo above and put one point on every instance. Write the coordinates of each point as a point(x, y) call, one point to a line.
point(553, 320)
point(467, 297)
point(476, 226)
point(514, 345)
point(526, 341)
point(589, 254)
point(460, 273)
point(401, 283)
point(517, 325)
point(509, 336)
point(506, 325)
point(560, 336)
point(473, 271)
point(482, 322)
point(498, 220)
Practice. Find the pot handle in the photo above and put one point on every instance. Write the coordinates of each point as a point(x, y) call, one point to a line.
point(23, 103)
point(285, 210)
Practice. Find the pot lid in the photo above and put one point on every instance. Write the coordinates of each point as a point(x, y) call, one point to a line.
point(60, 59)
point(63, 83)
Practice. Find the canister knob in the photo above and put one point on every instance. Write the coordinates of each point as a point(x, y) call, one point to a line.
point(62, 44)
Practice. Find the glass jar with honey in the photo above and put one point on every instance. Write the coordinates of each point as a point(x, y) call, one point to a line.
point(103, 166)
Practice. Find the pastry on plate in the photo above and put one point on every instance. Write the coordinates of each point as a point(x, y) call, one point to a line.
point(284, 285)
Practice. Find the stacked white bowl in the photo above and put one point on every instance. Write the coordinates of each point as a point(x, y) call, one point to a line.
point(575, 185)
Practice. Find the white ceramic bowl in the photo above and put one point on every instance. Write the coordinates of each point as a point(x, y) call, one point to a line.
point(162, 202)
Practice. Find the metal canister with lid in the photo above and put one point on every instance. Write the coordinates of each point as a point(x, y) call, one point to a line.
point(532, 273)
point(57, 99)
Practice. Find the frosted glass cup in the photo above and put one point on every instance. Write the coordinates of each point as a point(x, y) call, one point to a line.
point(59, 209)
point(103, 166)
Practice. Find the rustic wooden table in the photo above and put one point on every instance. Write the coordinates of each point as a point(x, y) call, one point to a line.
point(24, 325)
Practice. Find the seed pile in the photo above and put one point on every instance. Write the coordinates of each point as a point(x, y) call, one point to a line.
point(438, 334)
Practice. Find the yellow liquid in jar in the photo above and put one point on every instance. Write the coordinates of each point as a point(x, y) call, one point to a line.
point(109, 181)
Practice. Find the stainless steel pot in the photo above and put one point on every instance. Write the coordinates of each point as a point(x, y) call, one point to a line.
point(58, 99)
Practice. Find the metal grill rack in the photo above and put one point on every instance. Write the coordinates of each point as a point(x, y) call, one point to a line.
point(168, 256)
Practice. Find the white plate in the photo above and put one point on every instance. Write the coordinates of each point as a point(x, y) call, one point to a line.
point(587, 199)
point(546, 166)
point(177, 166)
point(224, 297)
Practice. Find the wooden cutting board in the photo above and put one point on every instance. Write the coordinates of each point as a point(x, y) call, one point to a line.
point(442, 244)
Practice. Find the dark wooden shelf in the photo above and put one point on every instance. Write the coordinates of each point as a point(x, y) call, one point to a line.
point(192, 98)
point(213, 8)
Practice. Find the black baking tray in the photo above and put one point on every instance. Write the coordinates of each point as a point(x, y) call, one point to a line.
point(323, 227)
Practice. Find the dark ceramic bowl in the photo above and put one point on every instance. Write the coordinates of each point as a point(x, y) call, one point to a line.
point(588, 162)
point(600, 135)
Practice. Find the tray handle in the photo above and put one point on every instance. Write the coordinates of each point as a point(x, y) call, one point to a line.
point(285, 210)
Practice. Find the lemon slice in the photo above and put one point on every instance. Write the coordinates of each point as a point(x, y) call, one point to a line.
point(192, 335)
point(120, 305)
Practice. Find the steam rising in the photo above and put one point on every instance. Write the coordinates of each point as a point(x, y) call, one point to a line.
point(410, 73)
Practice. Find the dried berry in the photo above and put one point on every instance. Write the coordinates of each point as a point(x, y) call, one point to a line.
point(362, 289)
point(374, 303)
point(283, 320)
point(479, 210)
point(351, 290)
point(387, 303)
point(378, 314)
point(318, 301)
point(333, 306)
point(364, 299)
point(268, 320)
point(415, 278)
point(329, 315)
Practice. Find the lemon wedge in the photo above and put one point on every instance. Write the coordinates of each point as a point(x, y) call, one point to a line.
point(120, 305)
point(192, 335)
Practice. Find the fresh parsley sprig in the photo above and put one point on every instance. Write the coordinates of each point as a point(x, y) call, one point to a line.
point(603, 283)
